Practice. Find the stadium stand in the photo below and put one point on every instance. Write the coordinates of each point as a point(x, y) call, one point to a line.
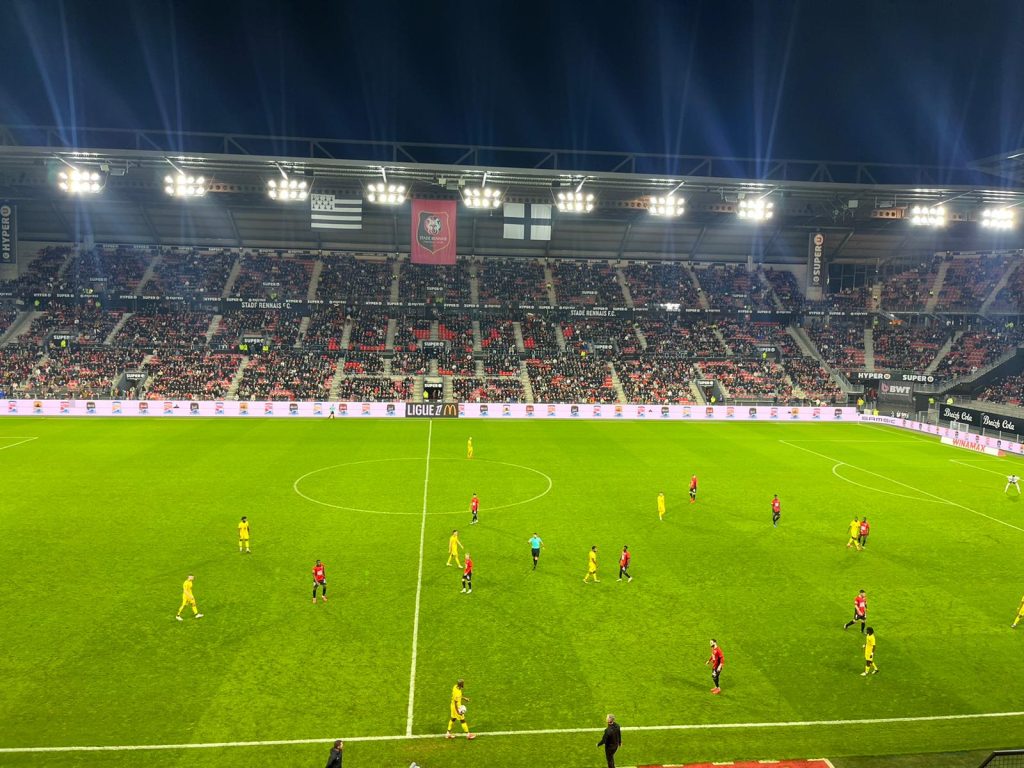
point(661, 283)
point(1007, 390)
point(488, 390)
point(733, 287)
point(969, 281)
point(288, 376)
point(190, 273)
point(432, 284)
point(908, 291)
point(188, 375)
point(587, 283)
point(649, 379)
point(571, 378)
point(353, 280)
point(273, 276)
point(502, 281)
point(840, 343)
point(907, 347)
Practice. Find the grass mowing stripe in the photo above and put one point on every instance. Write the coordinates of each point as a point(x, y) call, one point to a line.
point(523, 732)
point(419, 587)
point(910, 487)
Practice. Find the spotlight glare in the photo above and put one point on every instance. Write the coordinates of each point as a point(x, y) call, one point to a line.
point(385, 194)
point(998, 218)
point(928, 216)
point(481, 197)
point(755, 210)
point(669, 206)
point(79, 181)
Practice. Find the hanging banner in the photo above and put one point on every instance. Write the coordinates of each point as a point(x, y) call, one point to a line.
point(815, 260)
point(433, 231)
point(8, 234)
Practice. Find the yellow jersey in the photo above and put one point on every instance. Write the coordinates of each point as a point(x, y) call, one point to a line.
point(243, 530)
point(855, 529)
point(186, 590)
point(453, 544)
point(592, 560)
point(661, 502)
point(869, 648)
point(456, 702)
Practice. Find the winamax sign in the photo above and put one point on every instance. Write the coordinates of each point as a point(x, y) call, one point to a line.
point(981, 419)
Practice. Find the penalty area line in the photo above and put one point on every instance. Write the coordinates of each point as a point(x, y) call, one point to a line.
point(20, 441)
point(525, 732)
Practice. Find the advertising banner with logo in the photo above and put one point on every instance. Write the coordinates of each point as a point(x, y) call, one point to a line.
point(903, 377)
point(433, 231)
point(815, 260)
point(959, 439)
point(981, 419)
point(162, 409)
point(8, 233)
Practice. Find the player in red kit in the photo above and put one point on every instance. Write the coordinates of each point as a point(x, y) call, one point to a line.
point(624, 559)
point(693, 489)
point(776, 510)
point(474, 507)
point(860, 611)
point(715, 661)
point(865, 529)
point(319, 581)
point(467, 576)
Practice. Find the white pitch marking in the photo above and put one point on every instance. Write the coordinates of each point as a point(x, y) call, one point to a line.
point(982, 469)
point(909, 487)
point(20, 440)
point(879, 490)
point(419, 588)
point(525, 732)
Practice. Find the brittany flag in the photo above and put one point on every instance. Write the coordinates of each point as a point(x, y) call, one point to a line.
point(330, 212)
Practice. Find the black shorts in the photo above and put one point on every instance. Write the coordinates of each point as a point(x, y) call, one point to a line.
point(859, 616)
point(535, 552)
point(319, 583)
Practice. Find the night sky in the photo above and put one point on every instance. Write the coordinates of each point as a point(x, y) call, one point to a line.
point(884, 80)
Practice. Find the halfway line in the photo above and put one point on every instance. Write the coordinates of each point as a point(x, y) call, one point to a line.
point(526, 732)
point(419, 589)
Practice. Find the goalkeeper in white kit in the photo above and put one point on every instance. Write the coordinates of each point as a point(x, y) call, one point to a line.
point(1014, 481)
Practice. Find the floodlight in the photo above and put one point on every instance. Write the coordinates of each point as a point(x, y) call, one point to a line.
point(81, 181)
point(183, 185)
point(998, 218)
point(669, 206)
point(756, 210)
point(287, 189)
point(385, 194)
point(481, 197)
point(928, 216)
point(575, 202)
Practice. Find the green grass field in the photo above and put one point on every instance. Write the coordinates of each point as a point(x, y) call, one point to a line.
point(101, 520)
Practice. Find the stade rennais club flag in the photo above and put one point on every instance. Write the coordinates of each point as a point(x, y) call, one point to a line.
point(433, 231)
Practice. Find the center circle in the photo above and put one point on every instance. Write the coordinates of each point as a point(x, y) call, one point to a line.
point(470, 479)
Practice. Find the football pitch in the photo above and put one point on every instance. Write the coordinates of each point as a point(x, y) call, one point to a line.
point(102, 520)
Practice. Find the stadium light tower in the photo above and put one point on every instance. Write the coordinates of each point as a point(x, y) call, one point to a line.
point(998, 218)
point(756, 210)
point(928, 216)
point(288, 188)
point(383, 193)
point(481, 197)
point(81, 181)
point(668, 206)
point(575, 202)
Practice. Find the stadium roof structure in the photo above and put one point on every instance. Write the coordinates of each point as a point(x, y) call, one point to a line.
point(861, 204)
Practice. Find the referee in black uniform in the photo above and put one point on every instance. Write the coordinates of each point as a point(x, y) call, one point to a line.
point(610, 740)
point(334, 761)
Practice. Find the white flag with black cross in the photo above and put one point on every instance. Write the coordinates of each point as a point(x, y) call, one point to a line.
point(527, 221)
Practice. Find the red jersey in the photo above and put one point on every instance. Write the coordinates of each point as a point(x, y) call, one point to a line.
point(624, 560)
point(860, 605)
point(716, 658)
point(318, 573)
point(474, 504)
point(693, 483)
point(776, 506)
point(865, 529)
point(468, 570)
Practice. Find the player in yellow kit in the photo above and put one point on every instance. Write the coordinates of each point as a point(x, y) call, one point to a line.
point(453, 548)
point(854, 535)
point(1020, 614)
point(661, 505)
point(458, 711)
point(469, 449)
point(591, 566)
point(869, 654)
point(187, 598)
point(243, 535)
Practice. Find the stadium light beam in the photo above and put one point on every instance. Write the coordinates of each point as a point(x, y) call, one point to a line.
point(81, 181)
point(385, 194)
point(928, 216)
point(668, 206)
point(575, 202)
point(481, 197)
point(998, 218)
point(757, 210)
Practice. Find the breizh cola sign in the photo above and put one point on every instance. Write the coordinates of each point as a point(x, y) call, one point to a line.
point(981, 419)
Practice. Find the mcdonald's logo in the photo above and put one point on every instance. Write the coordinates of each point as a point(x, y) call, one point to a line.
point(431, 410)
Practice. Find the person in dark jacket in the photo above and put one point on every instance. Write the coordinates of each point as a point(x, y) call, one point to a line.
point(610, 740)
point(334, 761)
